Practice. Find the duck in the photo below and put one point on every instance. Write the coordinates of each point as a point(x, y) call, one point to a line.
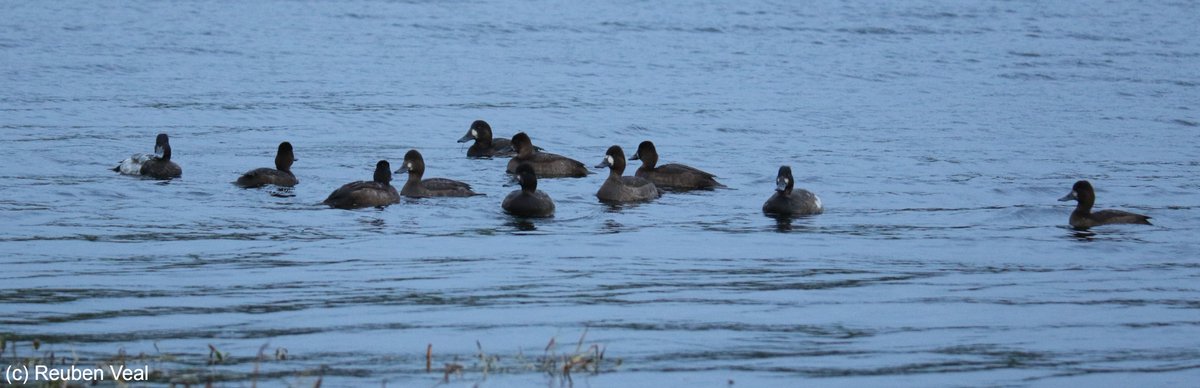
point(485, 145)
point(671, 176)
point(1083, 217)
point(157, 166)
point(789, 201)
point(545, 164)
point(623, 189)
point(378, 192)
point(416, 187)
point(528, 201)
point(281, 175)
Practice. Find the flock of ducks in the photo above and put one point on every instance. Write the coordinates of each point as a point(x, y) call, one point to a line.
point(529, 163)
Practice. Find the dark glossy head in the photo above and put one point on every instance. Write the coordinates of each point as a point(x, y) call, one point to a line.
point(646, 153)
point(1082, 191)
point(784, 181)
point(614, 159)
point(480, 131)
point(524, 175)
point(413, 164)
point(162, 146)
point(383, 172)
point(284, 157)
point(522, 144)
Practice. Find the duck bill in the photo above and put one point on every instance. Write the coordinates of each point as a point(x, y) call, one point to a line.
point(781, 185)
point(636, 156)
point(466, 138)
point(604, 164)
point(158, 150)
point(1072, 196)
point(403, 169)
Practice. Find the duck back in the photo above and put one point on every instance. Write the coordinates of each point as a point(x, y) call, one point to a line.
point(363, 194)
point(627, 189)
point(260, 177)
point(522, 204)
point(548, 165)
point(678, 177)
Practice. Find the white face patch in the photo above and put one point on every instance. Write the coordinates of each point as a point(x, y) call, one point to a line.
point(474, 133)
point(408, 165)
point(158, 150)
point(608, 159)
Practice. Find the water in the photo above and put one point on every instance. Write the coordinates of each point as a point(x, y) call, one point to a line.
point(938, 134)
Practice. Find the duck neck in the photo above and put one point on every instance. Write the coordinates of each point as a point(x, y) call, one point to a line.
point(529, 186)
point(483, 139)
point(525, 152)
point(414, 178)
point(649, 161)
point(617, 169)
point(283, 164)
point(383, 177)
point(1085, 204)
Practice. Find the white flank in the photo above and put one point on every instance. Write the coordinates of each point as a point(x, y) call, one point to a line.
point(133, 165)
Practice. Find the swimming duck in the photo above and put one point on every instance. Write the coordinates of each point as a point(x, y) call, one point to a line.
point(528, 201)
point(620, 189)
point(157, 166)
point(545, 164)
point(1083, 218)
point(378, 192)
point(486, 146)
point(416, 187)
point(788, 201)
point(670, 176)
point(281, 175)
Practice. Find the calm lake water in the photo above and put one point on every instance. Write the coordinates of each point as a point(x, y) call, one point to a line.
point(938, 134)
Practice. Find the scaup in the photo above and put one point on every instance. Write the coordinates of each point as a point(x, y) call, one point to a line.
point(157, 166)
point(545, 164)
point(485, 145)
point(281, 175)
point(528, 201)
point(788, 201)
point(621, 189)
point(416, 187)
point(378, 192)
point(670, 176)
point(1083, 217)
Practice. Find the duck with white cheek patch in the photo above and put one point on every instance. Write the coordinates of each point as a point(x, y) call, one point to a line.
point(416, 187)
point(485, 145)
point(623, 189)
point(790, 201)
